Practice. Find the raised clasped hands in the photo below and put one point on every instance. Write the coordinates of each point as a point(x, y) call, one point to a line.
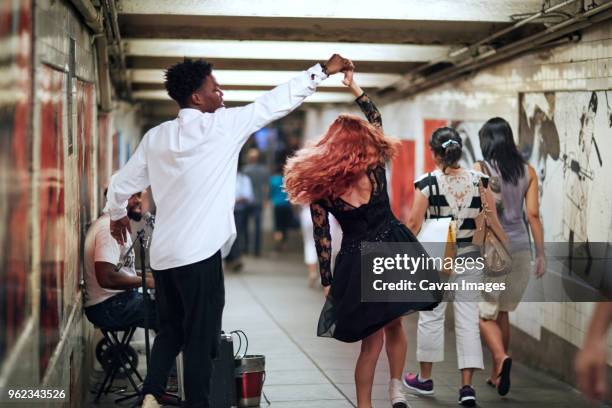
point(337, 63)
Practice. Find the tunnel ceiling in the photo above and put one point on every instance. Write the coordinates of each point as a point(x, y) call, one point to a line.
point(255, 45)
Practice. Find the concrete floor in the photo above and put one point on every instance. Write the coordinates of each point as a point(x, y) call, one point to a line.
point(270, 301)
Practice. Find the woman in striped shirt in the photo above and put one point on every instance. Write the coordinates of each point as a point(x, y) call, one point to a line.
point(453, 191)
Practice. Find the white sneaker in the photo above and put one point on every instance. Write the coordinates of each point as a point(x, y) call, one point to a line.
point(396, 394)
point(150, 402)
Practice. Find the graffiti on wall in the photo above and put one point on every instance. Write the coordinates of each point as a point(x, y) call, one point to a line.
point(15, 175)
point(567, 137)
point(538, 135)
point(51, 213)
point(468, 130)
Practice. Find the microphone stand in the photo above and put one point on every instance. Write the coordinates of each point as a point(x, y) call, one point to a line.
point(145, 295)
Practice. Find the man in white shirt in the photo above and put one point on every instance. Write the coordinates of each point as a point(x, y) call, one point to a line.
point(111, 298)
point(190, 163)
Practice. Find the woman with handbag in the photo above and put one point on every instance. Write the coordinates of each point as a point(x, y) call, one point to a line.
point(456, 192)
point(344, 174)
point(514, 185)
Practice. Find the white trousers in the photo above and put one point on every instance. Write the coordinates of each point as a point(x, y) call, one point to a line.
point(430, 333)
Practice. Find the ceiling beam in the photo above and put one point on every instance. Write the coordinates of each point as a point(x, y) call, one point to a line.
point(306, 29)
point(283, 50)
point(266, 78)
point(416, 10)
point(149, 62)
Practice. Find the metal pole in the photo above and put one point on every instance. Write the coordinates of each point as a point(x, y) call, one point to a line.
point(145, 294)
point(92, 17)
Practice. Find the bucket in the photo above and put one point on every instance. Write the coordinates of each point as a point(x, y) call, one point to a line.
point(250, 377)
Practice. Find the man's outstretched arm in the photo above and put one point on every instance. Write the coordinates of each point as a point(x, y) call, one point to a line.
point(283, 99)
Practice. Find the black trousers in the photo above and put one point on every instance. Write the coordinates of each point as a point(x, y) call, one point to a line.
point(190, 302)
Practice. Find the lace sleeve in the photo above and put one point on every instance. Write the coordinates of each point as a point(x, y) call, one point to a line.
point(322, 238)
point(369, 110)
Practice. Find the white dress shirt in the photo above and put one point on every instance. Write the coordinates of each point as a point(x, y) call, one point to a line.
point(190, 163)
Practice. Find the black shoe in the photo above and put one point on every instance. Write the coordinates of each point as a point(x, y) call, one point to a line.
point(467, 396)
point(503, 386)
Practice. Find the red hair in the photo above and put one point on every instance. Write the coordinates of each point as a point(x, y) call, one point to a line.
point(328, 168)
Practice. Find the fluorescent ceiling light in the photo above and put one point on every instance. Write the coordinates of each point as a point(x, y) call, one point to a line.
point(283, 50)
point(249, 96)
point(267, 78)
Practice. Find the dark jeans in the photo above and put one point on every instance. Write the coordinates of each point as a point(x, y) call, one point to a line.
point(253, 216)
point(190, 302)
point(122, 311)
point(239, 246)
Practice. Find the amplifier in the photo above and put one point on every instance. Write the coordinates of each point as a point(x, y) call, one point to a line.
point(223, 383)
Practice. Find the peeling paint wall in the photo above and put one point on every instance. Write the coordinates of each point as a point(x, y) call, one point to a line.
point(16, 309)
point(63, 136)
point(56, 157)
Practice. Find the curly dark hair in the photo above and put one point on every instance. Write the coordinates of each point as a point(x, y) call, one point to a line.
point(184, 78)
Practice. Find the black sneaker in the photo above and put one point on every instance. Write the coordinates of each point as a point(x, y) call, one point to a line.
point(467, 396)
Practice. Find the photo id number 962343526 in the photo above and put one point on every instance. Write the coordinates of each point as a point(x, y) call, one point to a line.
point(16, 394)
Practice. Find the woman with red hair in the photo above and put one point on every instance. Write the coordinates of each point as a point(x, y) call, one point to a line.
point(344, 174)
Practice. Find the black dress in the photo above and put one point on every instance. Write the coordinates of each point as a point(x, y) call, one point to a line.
point(344, 317)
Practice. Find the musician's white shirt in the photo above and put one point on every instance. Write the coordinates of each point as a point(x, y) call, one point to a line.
point(100, 246)
point(191, 163)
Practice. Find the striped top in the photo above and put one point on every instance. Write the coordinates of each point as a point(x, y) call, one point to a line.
point(458, 198)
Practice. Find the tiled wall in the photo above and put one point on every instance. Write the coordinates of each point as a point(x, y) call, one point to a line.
point(584, 67)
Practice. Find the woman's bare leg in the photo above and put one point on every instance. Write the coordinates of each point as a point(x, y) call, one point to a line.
point(366, 366)
point(396, 345)
point(493, 337)
point(503, 322)
point(466, 376)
